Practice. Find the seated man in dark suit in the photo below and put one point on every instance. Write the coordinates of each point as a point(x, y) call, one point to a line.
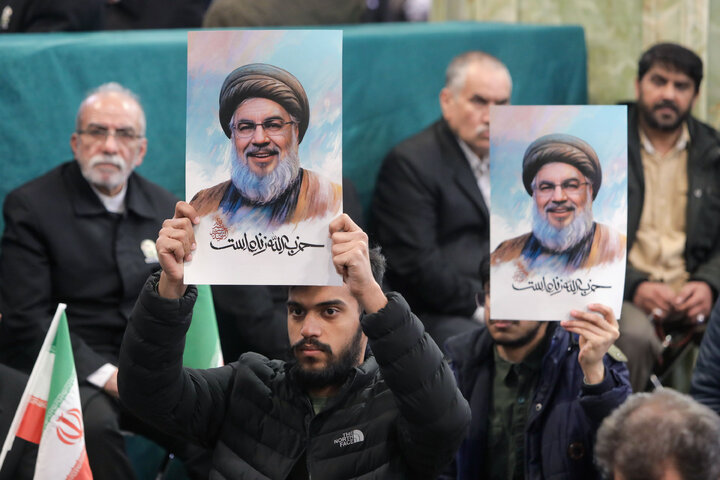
point(82, 234)
point(431, 203)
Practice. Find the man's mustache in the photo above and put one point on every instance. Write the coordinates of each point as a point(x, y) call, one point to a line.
point(254, 149)
point(312, 342)
point(667, 104)
point(115, 160)
point(559, 206)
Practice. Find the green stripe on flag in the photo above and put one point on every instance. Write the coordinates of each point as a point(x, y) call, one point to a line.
point(202, 342)
point(63, 371)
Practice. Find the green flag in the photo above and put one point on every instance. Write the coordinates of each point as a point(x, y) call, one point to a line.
point(202, 342)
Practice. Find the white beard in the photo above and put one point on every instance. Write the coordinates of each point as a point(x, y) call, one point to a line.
point(266, 188)
point(566, 237)
point(98, 180)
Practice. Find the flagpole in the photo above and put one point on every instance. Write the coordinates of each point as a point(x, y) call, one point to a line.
point(44, 352)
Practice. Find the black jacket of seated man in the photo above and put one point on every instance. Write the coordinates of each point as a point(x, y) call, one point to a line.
point(433, 224)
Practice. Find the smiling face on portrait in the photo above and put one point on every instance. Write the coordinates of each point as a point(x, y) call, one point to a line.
point(262, 151)
point(109, 142)
point(325, 334)
point(561, 193)
point(665, 97)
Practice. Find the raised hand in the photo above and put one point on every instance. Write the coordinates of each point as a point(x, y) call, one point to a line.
point(175, 244)
point(352, 261)
point(598, 329)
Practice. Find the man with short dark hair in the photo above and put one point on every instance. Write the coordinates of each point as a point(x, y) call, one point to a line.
point(663, 435)
point(338, 410)
point(82, 234)
point(431, 202)
point(562, 173)
point(264, 111)
point(537, 392)
point(673, 273)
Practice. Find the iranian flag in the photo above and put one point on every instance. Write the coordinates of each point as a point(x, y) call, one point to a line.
point(49, 413)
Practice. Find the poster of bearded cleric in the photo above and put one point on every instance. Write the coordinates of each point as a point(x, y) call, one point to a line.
point(559, 210)
point(264, 155)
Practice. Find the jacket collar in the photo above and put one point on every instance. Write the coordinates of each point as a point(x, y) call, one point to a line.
point(463, 174)
point(474, 349)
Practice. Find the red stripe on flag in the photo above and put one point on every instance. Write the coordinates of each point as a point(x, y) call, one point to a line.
point(81, 469)
point(31, 426)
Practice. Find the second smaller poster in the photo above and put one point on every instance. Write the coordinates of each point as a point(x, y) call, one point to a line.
point(559, 210)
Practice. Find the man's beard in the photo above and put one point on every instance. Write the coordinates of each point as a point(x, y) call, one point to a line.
point(647, 115)
point(337, 369)
point(264, 188)
point(98, 179)
point(528, 337)
point(559, 240)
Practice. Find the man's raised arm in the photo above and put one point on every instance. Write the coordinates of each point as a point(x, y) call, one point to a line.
point(434, 414)
point(151, 378)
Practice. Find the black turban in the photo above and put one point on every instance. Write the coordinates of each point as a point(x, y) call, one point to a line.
point(559, 147)
point(260, 80)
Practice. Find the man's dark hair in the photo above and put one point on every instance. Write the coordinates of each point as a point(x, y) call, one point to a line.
point(652, 431)
point(377, 264)
point(674, 57)
point(484, 273)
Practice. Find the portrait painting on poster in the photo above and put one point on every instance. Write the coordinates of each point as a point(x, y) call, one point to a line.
point(559, 210)
point(264, 155)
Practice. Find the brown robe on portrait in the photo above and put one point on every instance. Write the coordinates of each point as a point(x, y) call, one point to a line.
point(607, 246)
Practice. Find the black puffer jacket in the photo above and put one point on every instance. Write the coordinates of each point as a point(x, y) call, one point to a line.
point(400, 415)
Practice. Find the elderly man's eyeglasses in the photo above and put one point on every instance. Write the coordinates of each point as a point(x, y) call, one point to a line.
point(271, 127)
point(100, 134)
point(570, 187)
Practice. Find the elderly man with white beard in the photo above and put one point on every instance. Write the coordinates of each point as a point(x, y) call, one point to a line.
point(264, 111)
point(83, 234)
point(562, 174)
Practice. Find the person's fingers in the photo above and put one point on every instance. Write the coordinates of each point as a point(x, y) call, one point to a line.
point(589, 317)
point(608, 316)
point(185, 210)
point(343, 223)
point(700, 312)
point(179, 231)
point(172, 246)
point(589, 330)
point(344, 237)
point(340, 248)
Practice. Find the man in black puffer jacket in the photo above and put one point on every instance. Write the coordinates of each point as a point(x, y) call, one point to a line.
point(336, 412)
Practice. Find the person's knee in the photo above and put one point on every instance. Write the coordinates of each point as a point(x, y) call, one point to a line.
point(100, 420)
point(636, 330)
